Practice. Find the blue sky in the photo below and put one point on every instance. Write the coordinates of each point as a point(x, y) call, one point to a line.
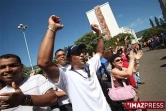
point(133, 14)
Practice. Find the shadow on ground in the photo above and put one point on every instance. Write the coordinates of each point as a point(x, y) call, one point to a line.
point(164, 65)
point(163, 58)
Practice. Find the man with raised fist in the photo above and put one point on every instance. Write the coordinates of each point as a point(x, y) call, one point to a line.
point(80, 82)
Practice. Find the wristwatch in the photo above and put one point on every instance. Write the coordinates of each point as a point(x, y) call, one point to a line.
point(27, 101)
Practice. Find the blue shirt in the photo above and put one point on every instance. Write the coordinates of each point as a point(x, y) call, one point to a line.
point(103, 61)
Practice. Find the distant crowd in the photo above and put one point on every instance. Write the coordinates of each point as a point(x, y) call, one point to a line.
point(157, 41)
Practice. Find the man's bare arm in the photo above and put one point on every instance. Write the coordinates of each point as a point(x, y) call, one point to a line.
point(60, 93)
point(100, 42)
point(14, 99)
point(45, 55)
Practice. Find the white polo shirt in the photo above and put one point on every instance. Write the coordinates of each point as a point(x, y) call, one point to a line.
point(64, 99)
point(33, 85)
point(85, 93)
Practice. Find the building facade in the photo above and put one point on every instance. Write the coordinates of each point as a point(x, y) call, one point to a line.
point(103, 16)
point(130, 31)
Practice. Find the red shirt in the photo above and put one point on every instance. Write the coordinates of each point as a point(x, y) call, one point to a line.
point(125, 60)
point(126, 64)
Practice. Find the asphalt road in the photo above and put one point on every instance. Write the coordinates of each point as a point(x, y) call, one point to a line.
point(153, 73)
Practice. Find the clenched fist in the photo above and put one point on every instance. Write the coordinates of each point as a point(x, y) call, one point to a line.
point(95, 28)
point(55, 22)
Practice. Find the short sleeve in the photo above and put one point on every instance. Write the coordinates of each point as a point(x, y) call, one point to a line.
point(43, 84)
point(95, 62)
point(62, 83)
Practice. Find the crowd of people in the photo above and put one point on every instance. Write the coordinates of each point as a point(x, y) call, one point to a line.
point(77, 82)
point(157, 41)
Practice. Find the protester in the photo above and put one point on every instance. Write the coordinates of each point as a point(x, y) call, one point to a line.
point(120, 74)
point(80, 83)
point(63, 100)
point(19, 88)
point(105, 72)
point(136, 73)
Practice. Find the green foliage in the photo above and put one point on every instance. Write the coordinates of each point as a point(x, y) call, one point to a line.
point(156, 30)
point(121, 37)
point(39, 71)
point(26, 71)
point(90, 40)
point(151, 22)
point(65, 48)
point(162, 23)
point(152, 31)
point(140, 33)
point(156, 21)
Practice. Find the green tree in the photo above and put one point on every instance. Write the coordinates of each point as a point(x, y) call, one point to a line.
point(156, 21)
point(162, 23)
point(66, 48)
point(121, 38)
point(151, 22)
point(90, 40)
point(152, 31)
point(26, 71)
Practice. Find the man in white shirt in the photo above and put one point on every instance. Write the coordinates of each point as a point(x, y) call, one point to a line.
point(63, 99)
point(80, 83)
point(11, 73)
point(61, 60)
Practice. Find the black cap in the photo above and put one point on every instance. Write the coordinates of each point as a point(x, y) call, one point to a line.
point(74, 48)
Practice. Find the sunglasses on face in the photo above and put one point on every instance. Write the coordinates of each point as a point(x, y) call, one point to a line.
point(117, 60)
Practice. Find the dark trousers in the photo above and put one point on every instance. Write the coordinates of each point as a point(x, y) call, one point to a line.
point(66, 107)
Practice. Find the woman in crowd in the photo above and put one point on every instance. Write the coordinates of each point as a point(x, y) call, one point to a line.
point(119, 73)
point(123, 52)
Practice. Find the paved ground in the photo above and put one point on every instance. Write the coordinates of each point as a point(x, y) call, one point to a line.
point(153, 73)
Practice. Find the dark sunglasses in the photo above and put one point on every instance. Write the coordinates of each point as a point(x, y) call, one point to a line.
point(117, 60)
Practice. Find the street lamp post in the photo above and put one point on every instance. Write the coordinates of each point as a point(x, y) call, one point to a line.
point(23, 27)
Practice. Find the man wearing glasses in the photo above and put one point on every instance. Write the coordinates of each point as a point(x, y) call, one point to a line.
point(63, 100)
point(80, 83)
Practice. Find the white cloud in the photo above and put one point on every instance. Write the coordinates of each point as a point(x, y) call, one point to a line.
point(160, 16)
point(151, 17)
point(132, 24)
point(140, 21)
point(120, 15)
point(137, 22)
